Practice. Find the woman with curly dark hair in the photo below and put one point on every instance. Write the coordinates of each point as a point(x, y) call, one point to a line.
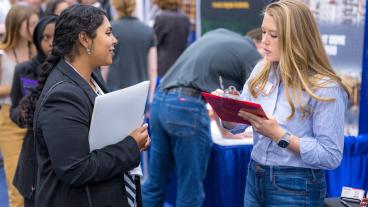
point(68, 173)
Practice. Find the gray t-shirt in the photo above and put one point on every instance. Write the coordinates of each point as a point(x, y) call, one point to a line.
point(218, 53)
point(130, 63)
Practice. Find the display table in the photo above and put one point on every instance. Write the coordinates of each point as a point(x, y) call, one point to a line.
point(335, 202)
point(227, 170)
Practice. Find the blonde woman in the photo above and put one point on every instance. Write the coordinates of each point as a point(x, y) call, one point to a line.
point(305, 101)
point(16, 47)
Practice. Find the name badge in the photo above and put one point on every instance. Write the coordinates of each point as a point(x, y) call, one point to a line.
point(267, 89)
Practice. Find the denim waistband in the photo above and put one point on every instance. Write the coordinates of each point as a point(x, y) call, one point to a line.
point(269, 170)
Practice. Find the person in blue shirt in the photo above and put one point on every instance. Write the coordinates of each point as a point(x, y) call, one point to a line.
point(305, 102)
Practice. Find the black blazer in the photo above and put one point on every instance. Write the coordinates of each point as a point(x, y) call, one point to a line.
point(24, 178)
point(68, 174)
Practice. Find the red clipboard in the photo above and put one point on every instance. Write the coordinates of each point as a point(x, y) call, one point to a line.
point(227, 108)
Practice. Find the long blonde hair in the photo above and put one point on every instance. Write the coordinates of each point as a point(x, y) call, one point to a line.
point(13, 21)
point(304, 64)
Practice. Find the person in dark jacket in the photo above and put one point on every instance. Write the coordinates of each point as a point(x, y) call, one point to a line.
point(68, 173)
point(172, 29)
point(24, 80)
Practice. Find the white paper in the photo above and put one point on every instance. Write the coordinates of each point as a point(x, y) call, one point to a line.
point(117, 114)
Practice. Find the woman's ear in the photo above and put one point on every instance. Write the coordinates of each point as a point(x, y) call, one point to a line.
point(85, 41)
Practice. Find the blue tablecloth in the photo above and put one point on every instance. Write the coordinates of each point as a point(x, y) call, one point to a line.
point(353, 170)
point(227, 171)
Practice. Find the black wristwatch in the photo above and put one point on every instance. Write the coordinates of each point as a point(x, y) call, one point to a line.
point(284, 140)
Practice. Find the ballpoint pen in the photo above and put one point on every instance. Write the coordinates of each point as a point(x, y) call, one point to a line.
point(221, 83)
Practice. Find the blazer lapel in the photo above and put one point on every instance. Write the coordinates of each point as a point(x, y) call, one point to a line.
point(66, 69)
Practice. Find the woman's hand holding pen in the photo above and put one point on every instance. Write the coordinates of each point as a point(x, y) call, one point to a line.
point(140, 135)
point(267, 127)
point(227, 124)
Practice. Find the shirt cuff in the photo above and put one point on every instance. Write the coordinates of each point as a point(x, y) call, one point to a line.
point(239, 128)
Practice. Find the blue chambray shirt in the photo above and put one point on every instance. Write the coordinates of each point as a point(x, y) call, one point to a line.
point(321, 133)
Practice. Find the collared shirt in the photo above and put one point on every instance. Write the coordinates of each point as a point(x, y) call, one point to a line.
point(321, 132)
point(98, 90)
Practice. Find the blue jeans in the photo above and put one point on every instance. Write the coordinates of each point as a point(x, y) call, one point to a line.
point(284, 186)
point(180, 133)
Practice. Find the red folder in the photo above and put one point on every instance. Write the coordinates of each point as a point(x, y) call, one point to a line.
point(227, 108)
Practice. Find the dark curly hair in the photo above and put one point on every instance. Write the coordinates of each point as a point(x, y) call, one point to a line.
point(71, 22)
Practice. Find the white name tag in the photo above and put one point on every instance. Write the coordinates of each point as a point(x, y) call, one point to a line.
point(267, 89)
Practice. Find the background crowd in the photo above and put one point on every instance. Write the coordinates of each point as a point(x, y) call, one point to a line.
point(58, 55)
